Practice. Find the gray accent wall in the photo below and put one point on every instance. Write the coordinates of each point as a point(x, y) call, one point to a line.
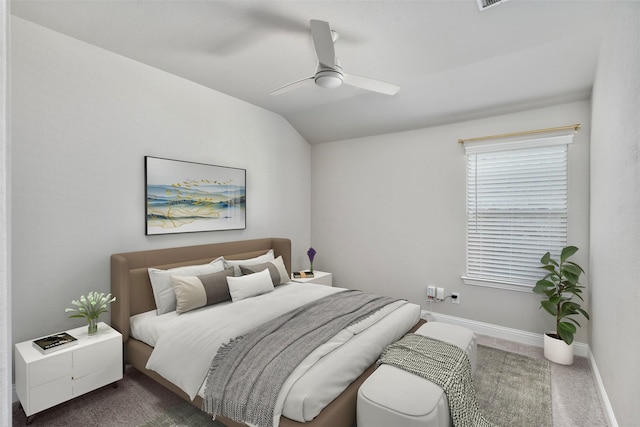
point(615, 212)
point(83, 119)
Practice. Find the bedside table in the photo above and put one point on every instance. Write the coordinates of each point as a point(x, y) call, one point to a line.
point(320, 278)
point(45, 380)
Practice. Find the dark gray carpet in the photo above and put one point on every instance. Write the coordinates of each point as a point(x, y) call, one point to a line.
point(182, 414)
point(513, 390)
point(138, 401)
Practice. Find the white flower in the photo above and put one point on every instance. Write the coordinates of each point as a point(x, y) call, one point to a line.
point(91, 306)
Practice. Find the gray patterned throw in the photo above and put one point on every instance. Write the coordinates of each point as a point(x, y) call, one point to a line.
point(445, 365)
point(247, 374)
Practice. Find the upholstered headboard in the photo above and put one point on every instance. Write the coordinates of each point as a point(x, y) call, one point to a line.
point(130, 282)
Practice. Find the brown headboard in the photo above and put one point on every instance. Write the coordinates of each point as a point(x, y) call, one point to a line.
point(130, 280)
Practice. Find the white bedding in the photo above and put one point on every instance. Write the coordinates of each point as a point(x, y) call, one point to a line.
point(185, 344)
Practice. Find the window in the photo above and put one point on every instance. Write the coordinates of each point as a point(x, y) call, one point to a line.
point(516, 209)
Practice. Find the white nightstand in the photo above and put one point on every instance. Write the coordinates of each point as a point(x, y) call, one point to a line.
point(45, 380)
point(320, 278)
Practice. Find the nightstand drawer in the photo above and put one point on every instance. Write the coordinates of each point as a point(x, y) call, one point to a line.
point(87, 360)
point(50, 368)
point(97, 379)
point(50, 394)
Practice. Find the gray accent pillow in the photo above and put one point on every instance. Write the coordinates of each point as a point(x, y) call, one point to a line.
point(257, 260)
point(277, 270)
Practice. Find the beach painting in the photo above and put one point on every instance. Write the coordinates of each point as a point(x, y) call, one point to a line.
point(186, 197)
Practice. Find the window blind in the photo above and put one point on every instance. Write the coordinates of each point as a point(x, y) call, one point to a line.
point(516, 208)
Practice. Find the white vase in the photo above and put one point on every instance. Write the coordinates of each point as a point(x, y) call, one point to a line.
point(557, 350)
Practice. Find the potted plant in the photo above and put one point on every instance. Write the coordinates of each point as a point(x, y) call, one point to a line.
point(311, 253)
point(559, 286)
point(91, 307)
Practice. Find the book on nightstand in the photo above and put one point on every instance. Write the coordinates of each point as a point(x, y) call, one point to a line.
point(302, 275)
point(55, 342)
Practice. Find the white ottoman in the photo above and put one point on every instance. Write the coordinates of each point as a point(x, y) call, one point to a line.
point(391, 397)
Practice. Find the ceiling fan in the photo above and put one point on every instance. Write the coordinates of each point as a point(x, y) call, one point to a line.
point(329, 73)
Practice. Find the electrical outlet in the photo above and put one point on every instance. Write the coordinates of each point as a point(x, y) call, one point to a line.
point(431, 292)
point(440, 294)
point(455, 297)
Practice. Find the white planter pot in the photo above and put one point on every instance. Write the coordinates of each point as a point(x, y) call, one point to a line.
point(557, 350)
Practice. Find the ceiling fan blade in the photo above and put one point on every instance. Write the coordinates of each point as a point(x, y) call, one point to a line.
point(308, 81)
point(323, 43)
point(370, 84)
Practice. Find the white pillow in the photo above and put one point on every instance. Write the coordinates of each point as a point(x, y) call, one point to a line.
point(162, 285)
point(250, 285)
point(257, 260)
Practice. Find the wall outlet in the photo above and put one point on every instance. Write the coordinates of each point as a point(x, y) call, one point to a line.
point(455, 297)
point(440, 294)
point(431, 292)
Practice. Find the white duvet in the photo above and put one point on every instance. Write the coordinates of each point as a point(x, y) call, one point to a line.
point(185, 344)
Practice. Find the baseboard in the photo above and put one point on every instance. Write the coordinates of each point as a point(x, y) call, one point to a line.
point(523, 337)
point(14, 395)
point(604, 398)
point(496, 331)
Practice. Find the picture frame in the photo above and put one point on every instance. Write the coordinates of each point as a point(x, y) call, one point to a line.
point(190, 197)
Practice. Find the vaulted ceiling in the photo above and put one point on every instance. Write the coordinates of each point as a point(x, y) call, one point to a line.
point(452, 61)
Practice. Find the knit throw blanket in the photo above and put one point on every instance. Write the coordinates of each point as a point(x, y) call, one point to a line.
point(445, 365)
point(247, 374)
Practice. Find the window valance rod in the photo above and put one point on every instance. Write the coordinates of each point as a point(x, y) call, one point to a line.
point(525, 132)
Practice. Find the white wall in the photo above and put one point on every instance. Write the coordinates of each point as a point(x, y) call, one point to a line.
point(83, 119)
point(389, 214)
point(6, 347)
point(615, 212)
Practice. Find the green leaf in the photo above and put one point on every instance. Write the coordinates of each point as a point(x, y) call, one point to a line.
point(542, 286)
point(566, 331)
point(575, 265)
point(550, 307)
point(549, 268)
point(570, 278)
point(567, 327)
point(584, 313)
point(567, 252)
point(572, 268)
point(573, 320)
point(555, 299)
point(568, 308)
point(545, 258)
point(577, 294)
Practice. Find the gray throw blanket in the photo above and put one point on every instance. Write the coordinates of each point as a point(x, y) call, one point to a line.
point(445, 365)
point(247, 374)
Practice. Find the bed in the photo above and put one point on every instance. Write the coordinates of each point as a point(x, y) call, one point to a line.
point(130, 284)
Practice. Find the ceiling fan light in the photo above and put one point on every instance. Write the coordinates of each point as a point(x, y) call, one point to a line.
point(329, 79)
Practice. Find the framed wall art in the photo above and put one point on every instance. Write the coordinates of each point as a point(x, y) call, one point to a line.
point(186, 197)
